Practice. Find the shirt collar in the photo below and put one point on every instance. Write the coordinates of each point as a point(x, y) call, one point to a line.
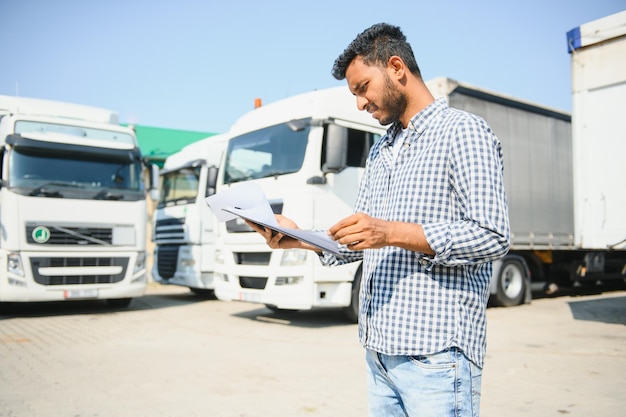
point(420, 121)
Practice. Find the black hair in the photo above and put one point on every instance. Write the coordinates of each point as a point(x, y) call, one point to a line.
point(376, 45)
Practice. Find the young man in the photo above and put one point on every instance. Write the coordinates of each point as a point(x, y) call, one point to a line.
point(430, 217)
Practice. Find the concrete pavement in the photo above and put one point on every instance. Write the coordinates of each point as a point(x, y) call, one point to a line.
point(172, 354)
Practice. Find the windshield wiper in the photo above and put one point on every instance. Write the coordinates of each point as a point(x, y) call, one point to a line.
point(106, 194)
point(179, 201)
point(42, 189)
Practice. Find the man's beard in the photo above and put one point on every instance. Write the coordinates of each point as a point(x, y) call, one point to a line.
point(394, 103)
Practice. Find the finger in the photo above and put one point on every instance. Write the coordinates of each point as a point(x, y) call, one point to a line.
point(256, 227)
point(341, 224)
point(274, 239)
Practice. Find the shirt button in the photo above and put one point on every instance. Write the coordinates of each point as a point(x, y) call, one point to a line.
point(424, 262)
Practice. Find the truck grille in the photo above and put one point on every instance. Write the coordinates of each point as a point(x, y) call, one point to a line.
point(169, 230)
point(252, 258)
point(73, 235)
point(167, 258)
point(37, 263)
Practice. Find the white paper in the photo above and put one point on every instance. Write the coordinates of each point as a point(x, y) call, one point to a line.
point(247, 200)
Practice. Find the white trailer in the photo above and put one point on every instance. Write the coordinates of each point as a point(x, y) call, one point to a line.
point(598, 63)
point(73, 204)
point(183, 227)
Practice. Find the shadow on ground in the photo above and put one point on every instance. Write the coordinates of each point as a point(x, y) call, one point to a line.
point(161, 298)
point(606, 310)
point(316, 318)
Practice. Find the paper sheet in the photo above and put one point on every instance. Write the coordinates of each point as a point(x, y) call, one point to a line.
point(247, 200)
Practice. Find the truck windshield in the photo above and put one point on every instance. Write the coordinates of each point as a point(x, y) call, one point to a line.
point(43, 173)
point(28, 126)
point(275, 150)
point(180, 186)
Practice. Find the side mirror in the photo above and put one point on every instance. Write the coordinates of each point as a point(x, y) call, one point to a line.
point(336, 149)
point(154, 182)
point(211, 181)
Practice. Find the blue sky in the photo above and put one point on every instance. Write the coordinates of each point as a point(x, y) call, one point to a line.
point(199, 65)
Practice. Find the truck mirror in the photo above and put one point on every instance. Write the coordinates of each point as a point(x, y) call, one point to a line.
point(336, 149)
point(211, 181)
point(154, 182)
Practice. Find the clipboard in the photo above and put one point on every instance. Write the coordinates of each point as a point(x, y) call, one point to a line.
point(248, 202)
point(318, 239)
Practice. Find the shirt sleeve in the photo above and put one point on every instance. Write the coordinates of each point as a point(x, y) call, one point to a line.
point(482, 233)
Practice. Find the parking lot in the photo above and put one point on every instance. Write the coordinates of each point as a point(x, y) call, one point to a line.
point(174, 354)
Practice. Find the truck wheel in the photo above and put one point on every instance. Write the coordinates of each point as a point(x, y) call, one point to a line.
point(352, 311)
point(119, 302)
point(511, 284)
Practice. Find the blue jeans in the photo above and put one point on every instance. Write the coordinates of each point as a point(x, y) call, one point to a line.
point(439, 385)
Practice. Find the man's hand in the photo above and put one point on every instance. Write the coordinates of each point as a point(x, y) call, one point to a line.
point(277, 240)
point(360, 231)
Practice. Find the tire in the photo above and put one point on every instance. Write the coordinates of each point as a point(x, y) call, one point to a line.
point(511, 285)
point(119, 302)
point(352, 311)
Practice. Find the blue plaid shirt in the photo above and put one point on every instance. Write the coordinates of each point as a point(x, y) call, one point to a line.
point(448, 176)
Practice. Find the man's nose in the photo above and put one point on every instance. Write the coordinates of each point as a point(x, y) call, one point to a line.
point(361, 103)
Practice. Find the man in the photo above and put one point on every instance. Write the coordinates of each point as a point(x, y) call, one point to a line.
point(430, 217)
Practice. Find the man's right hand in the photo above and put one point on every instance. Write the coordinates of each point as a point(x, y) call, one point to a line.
point(276, 240)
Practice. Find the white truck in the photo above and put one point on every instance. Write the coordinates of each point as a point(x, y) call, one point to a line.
point(307, 152)
point(73, 201)
point(183, 227)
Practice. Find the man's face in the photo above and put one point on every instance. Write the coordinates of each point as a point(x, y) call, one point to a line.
point(375, 91)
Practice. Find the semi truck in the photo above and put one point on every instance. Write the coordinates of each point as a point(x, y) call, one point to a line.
point(73, 197)
point(183, 229)
point(566, 199)
point(307, 153)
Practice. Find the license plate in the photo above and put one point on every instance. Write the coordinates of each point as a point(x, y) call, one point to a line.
point(250, 298)
point(84, 293)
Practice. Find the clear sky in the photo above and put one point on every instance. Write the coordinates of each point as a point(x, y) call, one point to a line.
point(199, 64)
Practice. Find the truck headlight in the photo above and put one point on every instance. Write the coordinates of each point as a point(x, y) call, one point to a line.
point(219, 257)
point(288, 280)
point(14, 264)
point(140, 263)
point(293, 257)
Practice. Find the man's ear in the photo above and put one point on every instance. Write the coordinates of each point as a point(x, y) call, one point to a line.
point(396, 66)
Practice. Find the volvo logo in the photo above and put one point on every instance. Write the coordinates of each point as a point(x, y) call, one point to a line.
point(41, 234)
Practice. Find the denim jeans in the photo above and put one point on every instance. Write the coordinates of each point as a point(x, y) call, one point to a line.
point(439, 385)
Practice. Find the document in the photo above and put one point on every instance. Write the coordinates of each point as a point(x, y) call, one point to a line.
point(247, 201)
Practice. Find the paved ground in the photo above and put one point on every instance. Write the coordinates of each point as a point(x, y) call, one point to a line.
point(171, 354)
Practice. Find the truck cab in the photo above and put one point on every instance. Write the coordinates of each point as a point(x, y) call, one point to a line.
point(184, 229)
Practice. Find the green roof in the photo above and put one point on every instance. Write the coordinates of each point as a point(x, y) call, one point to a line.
point(157, 143)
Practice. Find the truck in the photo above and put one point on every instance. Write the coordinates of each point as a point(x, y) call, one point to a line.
point(598, 66)
point(307, 152)
point(73, 197)
point(183, 229)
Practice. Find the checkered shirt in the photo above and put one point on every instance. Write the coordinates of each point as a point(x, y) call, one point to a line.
point(448, 177)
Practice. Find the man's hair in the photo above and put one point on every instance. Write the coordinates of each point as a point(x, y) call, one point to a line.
point(376, 45)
